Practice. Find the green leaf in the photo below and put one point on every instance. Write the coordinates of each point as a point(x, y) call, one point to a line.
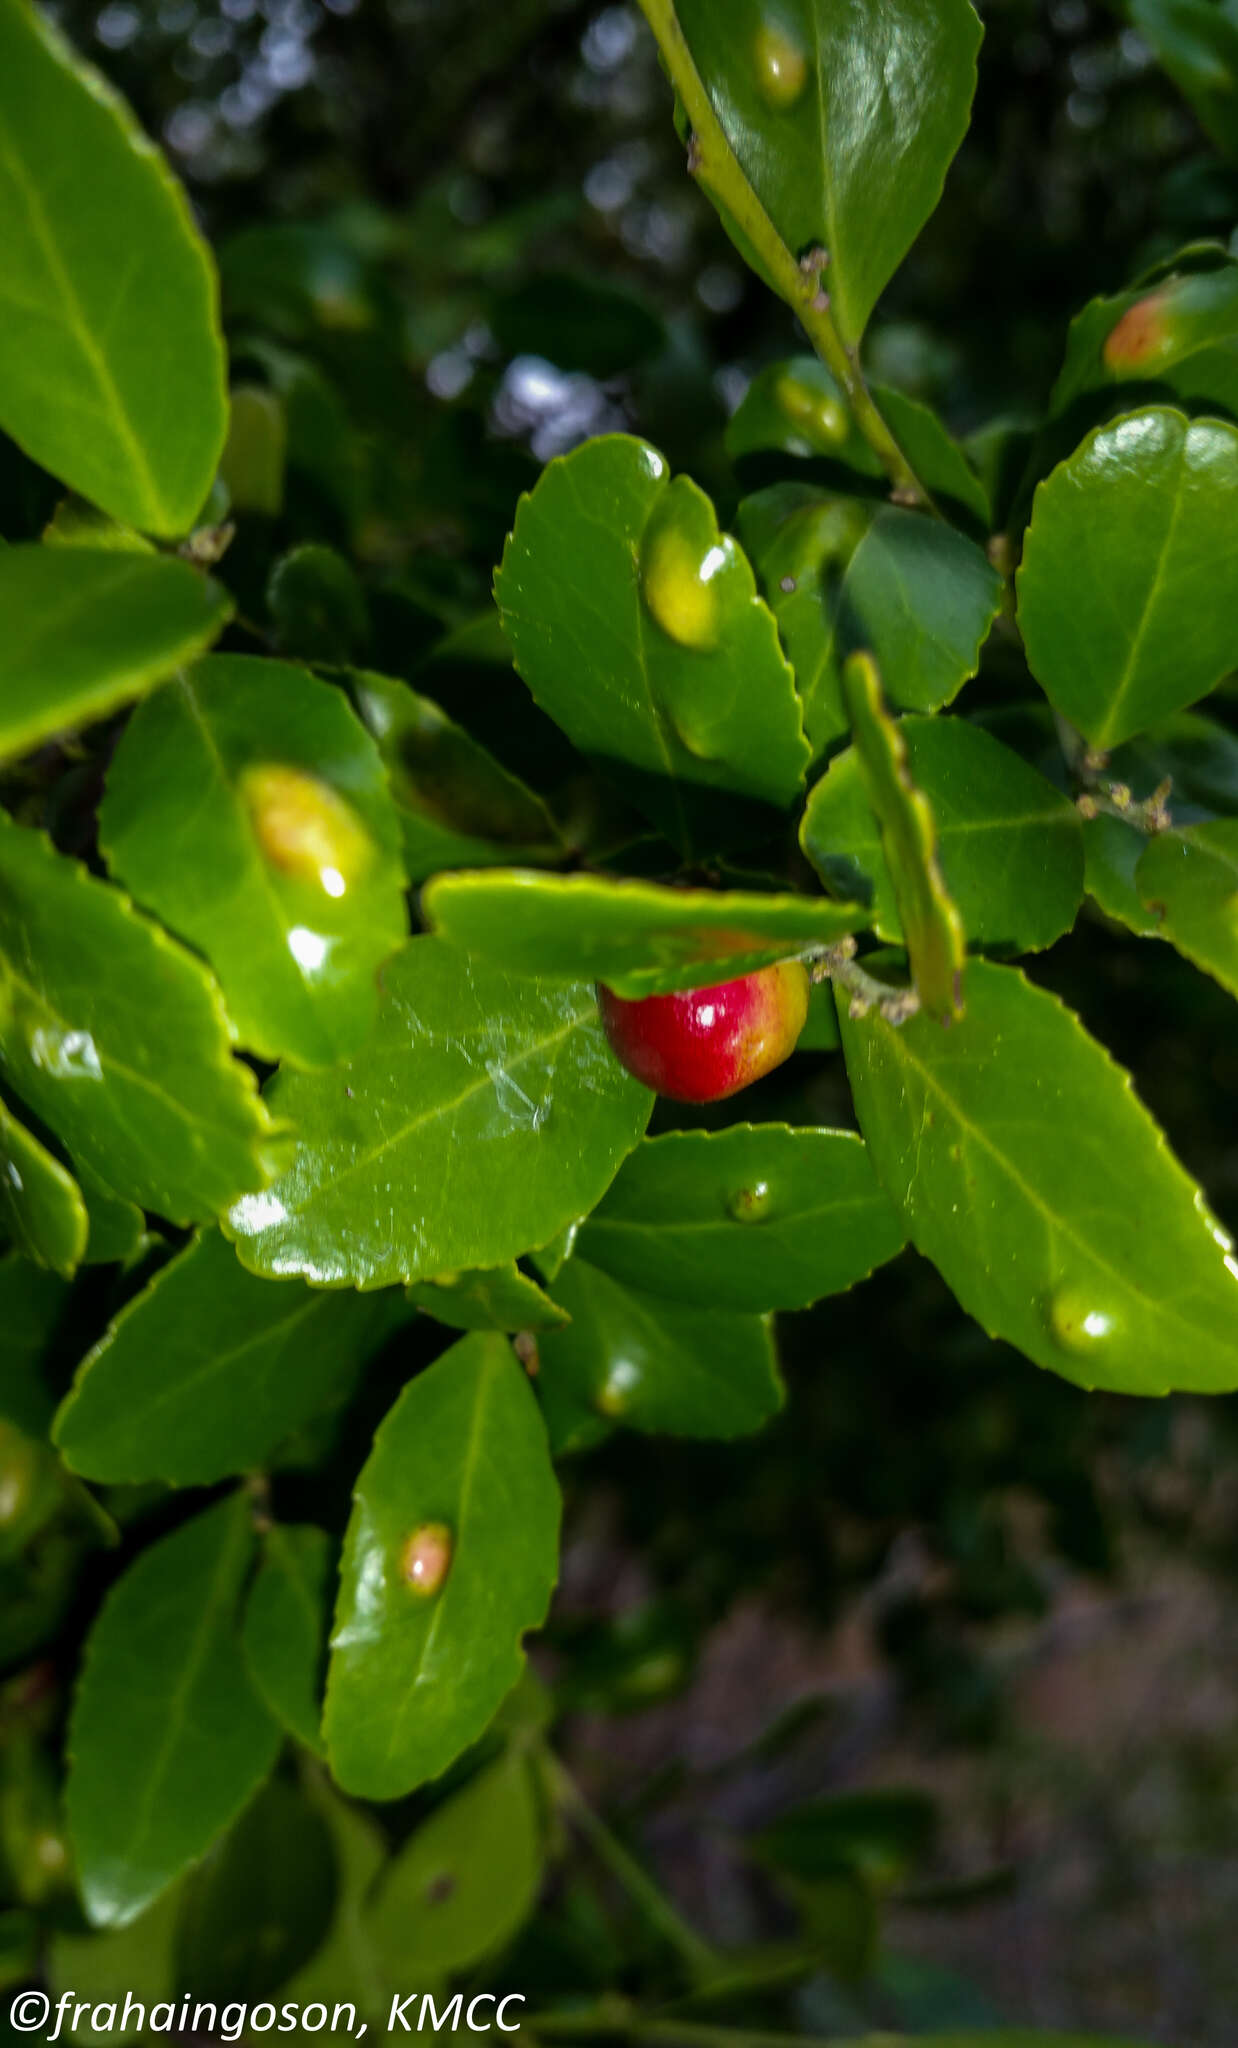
point(466, 1879)
point(248, 808)
point(1199, 760)
point(753, 1218)
point(1128, 589)
point(137, 1961)
point(458, 807)
point(345, 1968)
point(1040, 1187)
point(90, 629)
point(1197, 43)
point(637, 627)
point(931, 924)
point(651, 1364)
point(208, 1369)
point(1009, 844)
point(1189, 881)
point(796, 408)
point(1112, 852)
point(116, 1227)
point(638, 938)
point(284, 1633)
point(1179, 329)
point(317, 605)
point(41, 1206)
point(168, 1739)
point(117, 1038)
point(843, 121)
point(485, 1112)
point(252, 463)
point(416, 1674)
point(257, 1909)
point(76, 523)
point(32, 1301)
point(111, 360)
point(500, 1298)
point(845, 575)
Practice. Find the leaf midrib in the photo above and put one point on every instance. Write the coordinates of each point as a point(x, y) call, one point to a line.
point(113, 404)
point(369, 1158)
point(200, 1644)
point(932, 1085)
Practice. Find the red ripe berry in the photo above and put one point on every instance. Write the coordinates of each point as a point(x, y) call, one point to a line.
point(704, 1043)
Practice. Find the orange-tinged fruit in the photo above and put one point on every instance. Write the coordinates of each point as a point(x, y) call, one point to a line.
point(703, 1044)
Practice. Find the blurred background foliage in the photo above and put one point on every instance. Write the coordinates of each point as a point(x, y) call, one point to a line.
point(456, 238)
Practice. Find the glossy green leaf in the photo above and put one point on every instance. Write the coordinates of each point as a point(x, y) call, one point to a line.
point(111, 361)
point(637, 627)
point(248, 807)
point(458, 807)
point(497, 1298)
point(117, 1038)
point(752, 1218)
point(252, 463)
point(41, 1208)
point(287, 1619)
point(638, 1359)
point(258, 1907)
point(1178, 330)
point(485, 1112)
point(635, 936)
point(845, 575)
point(416, 1674)
point(932, 928)
point(208, 1369)
point(796, 408)
point(1128, 589)
point(466, 1878)
point(1009, 844)
point(90, 629)
point(1189, 882)
point(1031, 1175)
point(168, 1739)
point(843, 121)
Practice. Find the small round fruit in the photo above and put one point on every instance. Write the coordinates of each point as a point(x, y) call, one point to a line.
point(705, 1043)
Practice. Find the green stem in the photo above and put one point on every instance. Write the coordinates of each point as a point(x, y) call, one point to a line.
point(839, 965)
point(639, 1886)
point(714, 164)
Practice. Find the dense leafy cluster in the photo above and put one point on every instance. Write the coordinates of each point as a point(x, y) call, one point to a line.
point(300, 938)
